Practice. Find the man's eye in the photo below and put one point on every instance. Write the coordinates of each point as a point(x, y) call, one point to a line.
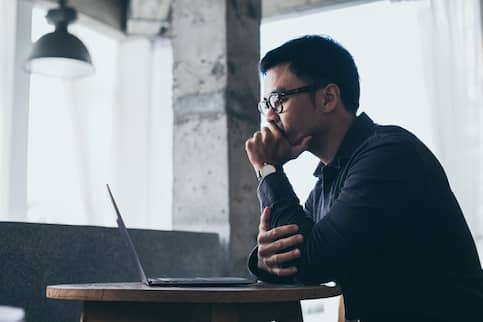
point(276, 101)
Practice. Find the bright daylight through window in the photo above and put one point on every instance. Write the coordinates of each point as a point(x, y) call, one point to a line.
point(112, 127)
point(55, 174)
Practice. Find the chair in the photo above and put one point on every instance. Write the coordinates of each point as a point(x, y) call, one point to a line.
point(33, 256)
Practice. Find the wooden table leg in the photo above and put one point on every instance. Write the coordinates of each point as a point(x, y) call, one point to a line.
point(145, 312)
point(191, 312)
point(257, 312)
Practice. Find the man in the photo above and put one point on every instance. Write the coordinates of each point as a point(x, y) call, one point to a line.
point(381, 220)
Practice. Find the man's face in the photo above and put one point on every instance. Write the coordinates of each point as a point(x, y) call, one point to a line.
point(299, 116)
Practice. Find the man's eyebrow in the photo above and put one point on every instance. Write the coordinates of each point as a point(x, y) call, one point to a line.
point(278, 90)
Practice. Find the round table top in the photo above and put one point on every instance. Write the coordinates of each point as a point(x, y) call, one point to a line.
point(138, 292)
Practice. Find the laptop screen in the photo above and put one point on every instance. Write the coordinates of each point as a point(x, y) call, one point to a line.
point(127, 238)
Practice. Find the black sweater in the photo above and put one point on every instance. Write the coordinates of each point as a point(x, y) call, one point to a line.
point(384, 224)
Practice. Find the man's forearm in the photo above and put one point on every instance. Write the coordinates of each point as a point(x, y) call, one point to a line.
point(276, 192)
point(313, 265)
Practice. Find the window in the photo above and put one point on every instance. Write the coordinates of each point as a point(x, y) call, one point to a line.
point(391, 76)
point(111, 127)
point(385, 40)
point(58, 145)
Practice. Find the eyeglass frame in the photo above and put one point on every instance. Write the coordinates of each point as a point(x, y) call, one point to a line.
point(264, 105)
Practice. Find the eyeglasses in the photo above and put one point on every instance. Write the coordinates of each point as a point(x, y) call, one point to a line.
point(275, 100)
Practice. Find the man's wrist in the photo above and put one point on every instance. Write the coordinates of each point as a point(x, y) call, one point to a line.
point(257, 166)
point(265, 170)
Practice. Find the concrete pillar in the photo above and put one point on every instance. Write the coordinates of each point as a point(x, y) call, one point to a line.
point(215, 92)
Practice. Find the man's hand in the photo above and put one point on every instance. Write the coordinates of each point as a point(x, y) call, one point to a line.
point(273, 242)
point(270, 146)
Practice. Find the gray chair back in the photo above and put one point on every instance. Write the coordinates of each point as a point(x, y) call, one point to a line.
point(33, 256)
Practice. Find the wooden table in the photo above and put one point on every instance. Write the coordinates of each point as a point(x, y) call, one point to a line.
point(138, 302)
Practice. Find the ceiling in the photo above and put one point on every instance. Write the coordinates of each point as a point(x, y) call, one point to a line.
point(151, 18)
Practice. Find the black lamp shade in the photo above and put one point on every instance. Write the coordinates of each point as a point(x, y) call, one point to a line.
point(60, 54)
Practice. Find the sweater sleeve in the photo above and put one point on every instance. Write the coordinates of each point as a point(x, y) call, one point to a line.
point(369, 209)
point(278, 179)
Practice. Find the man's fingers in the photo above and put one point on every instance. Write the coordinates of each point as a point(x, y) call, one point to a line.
point(261, 265)
point(266, 132)
point(277, 233)
point(286, 271)
point(268, 249)
point(276, 131)
point(257, 136)
point(264, 226)
point(279, 259)
point(279, 271)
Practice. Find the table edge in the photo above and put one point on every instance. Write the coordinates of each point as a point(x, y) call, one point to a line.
point(254, 294)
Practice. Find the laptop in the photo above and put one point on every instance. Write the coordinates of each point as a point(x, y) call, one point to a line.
point(170, 281)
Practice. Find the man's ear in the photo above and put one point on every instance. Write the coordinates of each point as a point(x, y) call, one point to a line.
point(328, 97)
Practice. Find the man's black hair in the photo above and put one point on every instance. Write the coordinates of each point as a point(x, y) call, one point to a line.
point(318, 59)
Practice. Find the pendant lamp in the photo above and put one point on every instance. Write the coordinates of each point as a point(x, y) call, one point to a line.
point(60, 53)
